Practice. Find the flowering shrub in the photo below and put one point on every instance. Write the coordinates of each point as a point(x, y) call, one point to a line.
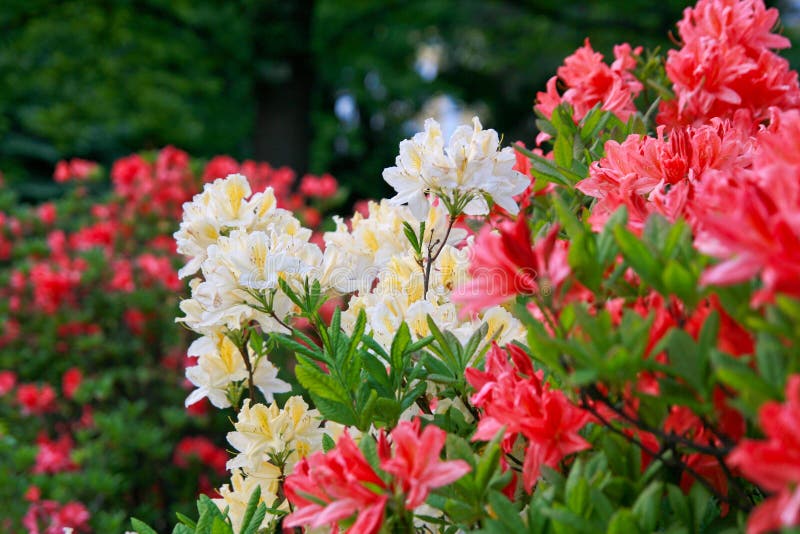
point(596, 335)
point(91, 424)
point(590, 336)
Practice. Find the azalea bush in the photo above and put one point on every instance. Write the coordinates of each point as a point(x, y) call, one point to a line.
point(596, 334)
point(92, 426)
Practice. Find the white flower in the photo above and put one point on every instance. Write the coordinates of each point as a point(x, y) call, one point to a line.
point(418, 168)
point(219, 364)
point(471, 167)
point(236, 495)
point(265, 378)
point(267, 431)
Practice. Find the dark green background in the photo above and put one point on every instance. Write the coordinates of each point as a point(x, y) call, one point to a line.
point(259, 79)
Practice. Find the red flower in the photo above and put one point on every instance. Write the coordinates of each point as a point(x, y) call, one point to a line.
point(200, 449)
point(36, 399)
point(220, 167)
point(416, 464)
point(46, 213)
point(774, 463)
point(515, 397)
point(71, 381)
point(326, 489)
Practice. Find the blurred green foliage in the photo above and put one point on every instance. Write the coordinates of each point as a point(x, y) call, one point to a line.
point(262, 78)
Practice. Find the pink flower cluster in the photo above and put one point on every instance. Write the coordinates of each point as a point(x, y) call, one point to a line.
point(341, 489)
point(75, 169)
point(51, 517)
point(666, 174)
point(727, 63)
point(589, 81)
point(516, 398)
point(757, 227)
point(774, 463)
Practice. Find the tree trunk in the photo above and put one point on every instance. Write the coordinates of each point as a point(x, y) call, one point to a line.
point(282, 129)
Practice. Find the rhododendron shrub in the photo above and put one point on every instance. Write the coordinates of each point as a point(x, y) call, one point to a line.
point(93, 365)
point(599, 334)
point(583, 346)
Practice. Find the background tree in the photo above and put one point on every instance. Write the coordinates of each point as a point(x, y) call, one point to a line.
point(325, 85)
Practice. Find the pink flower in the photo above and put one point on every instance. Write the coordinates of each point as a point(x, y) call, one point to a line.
point(48, 517)
point(755, 228)
point(54, 456)
point(8, 379)
point(159, 269)
point(589, 81)
point(661, 174)
point(122, 277)
point(727, 64)
point(748, 23)
point(774, 463)
point(324, 186)
point(515, 397)
point(46, 213)
point(326, 489)
point(416, 463)
point(77, 169)
point(505, 263)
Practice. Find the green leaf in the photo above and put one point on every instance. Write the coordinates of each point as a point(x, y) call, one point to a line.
point(639, 257)
point(487, 465)
point(570, 222)
point(771, 360)
point(335, 411)
point(411, 235)
point(255, 523)
point(140, 527)
point(506, 513)
point(317, 382)
point(677, 501)
point(753, 390)
point(680, 282)
point(686, 361)
point(327, 443)
point(647, 507)
point(252, 504)
point(623, 522)
point(299, 348)
point(398, 349)
point(185, 520)
point(219, 526)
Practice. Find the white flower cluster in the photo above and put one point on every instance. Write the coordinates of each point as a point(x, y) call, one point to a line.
point(241, 243)
point(463, 174)
point(241, 248)
point(392, 278)
point(269, 441)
